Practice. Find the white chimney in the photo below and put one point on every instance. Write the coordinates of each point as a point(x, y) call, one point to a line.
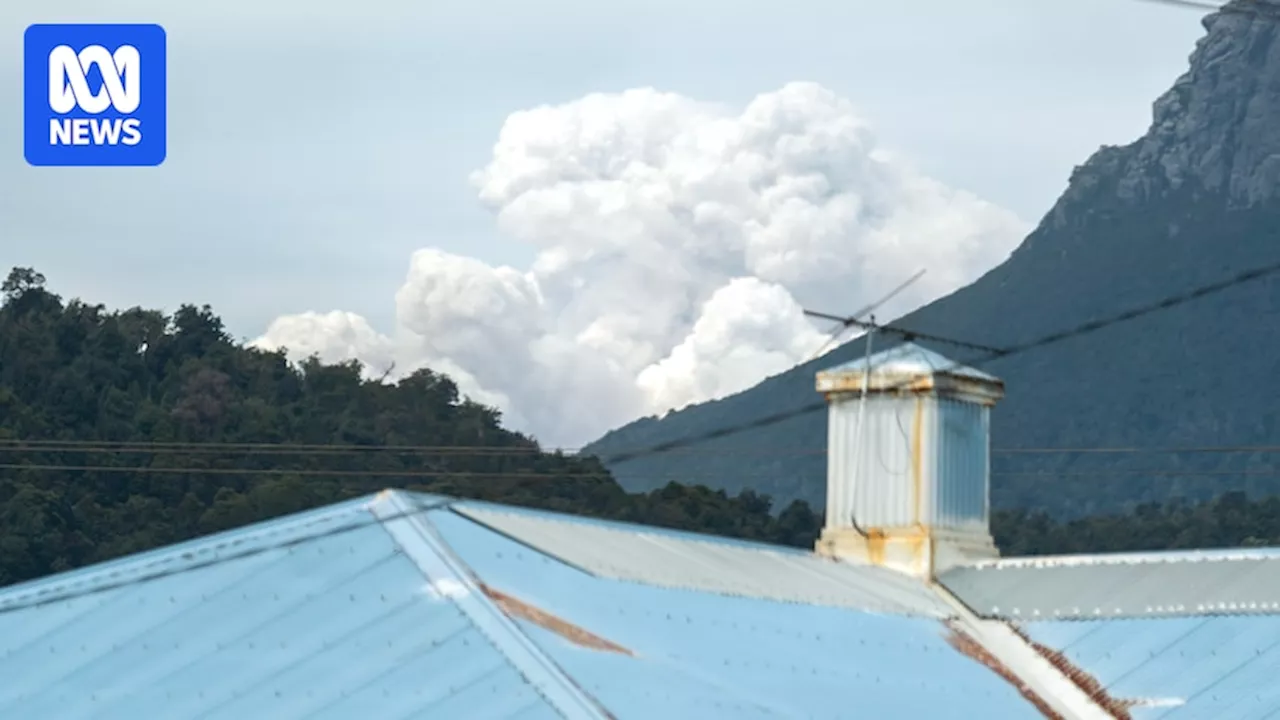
point(908, 467)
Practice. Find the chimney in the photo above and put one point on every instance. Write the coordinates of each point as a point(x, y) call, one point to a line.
point(908, 461)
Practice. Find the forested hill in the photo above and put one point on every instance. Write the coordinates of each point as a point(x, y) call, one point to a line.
point(95, 403)
point(1193, 201)
point(125, 430)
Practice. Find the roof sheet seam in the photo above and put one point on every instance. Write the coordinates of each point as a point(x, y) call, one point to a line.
point(716, 566)
point(463, 513)
point(1121, 560)
point(1011, 651)
point(422, 544)
point(165, 563)
point(1189, 587)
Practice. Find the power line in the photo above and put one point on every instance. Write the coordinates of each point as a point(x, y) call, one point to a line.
point(48, 598)
point(96, 447)
point(1255, 8)
point(905, 334)
point(1050, 474)
point(849, 322)
point(268, 448)
point(1137, 450)
point(1083, 329)
point(178, 446)
point(546, 474)
point(1051, 339)
point(774, 418)
point(302, 472)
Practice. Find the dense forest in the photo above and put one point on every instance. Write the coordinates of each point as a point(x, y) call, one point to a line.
point(125, 430)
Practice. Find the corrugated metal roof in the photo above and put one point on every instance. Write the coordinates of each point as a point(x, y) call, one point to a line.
point(909, 359)
point(413, 607)
point(1195, 667)
point(319, 616)
point(1122, 585)
point(681, 653)
point(707, 564)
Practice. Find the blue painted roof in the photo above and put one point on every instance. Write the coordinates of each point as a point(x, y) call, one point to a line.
point(667, 558)
point(383, 608)
point(342, 625)
point(412, 606)
point(702, 655)
point(1122, 585)
point(1193, 667)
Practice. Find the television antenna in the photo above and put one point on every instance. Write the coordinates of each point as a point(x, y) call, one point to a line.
point(855, 320)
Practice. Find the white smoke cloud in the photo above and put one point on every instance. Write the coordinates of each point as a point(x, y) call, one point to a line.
point(676, 243)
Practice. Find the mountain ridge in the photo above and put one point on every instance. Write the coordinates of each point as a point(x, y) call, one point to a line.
point(1190, 202)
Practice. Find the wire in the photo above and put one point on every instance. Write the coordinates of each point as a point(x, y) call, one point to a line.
point(300, 448)
point(1255, 8)
point(48, 598)
point(484, 451)
point(995, 354)
point(220, 448)
point(549, 475)
point(903, 332)
point(1083, 329)
point(685, 443)
point(300, 472)
point(1144, 473)
point(1171, 450)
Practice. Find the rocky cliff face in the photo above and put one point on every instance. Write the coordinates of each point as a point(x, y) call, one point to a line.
point(1215, 132)
point(1193, 201)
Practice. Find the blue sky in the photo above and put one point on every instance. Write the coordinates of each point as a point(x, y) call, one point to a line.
point(314, 147)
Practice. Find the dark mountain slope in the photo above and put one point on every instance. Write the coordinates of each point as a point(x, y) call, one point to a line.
point(124, 430)
point(1193, 201)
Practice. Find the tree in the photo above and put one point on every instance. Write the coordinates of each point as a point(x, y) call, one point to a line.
point(80, 372)
point(21, 280)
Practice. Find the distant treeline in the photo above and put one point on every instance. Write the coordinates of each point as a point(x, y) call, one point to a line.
point(82, 374)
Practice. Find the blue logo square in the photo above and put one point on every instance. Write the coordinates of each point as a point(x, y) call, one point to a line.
point(94, 95)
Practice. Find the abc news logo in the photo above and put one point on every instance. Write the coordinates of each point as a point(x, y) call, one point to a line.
point(94, 95)
point(69, 89)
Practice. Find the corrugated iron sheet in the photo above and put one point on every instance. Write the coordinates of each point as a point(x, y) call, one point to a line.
point(1194, 667)
point(254, 624)
point(703, 563)
point(959, 460)
point(914, 460)
point(871, 471)
point(909, 358)
point(685, 653)
point(1139, 585)
point(470, 610)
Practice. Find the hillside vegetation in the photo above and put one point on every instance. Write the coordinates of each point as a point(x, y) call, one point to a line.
point(1192, 202)
point(79, 373)
point(121, 431)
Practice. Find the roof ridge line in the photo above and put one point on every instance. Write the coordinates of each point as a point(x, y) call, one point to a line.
point(1153, 557)
point(1009, 654)
point(417, 537)
point(172, 559)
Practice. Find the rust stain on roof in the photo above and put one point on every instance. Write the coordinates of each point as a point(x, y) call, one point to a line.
point(517, 608)
point(961, 641)
point(1090, 685)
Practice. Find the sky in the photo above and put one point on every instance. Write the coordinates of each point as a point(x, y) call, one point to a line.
point(583, 212)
